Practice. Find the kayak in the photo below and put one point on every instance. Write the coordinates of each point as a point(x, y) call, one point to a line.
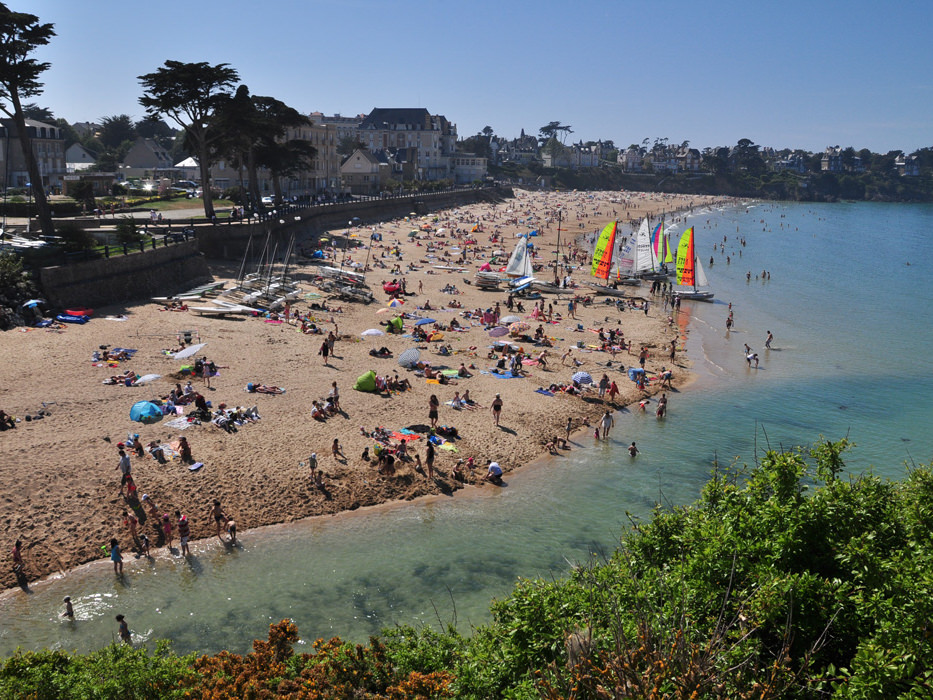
point(69, 318)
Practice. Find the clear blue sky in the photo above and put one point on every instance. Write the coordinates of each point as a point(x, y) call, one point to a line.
point(786, 73)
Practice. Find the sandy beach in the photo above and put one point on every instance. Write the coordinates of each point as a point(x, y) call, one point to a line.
point(60, 478)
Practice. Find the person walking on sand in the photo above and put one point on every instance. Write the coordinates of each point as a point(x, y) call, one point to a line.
point(768, 341)
point(17, 553)
point(606, 423)
point(497, 408)
point(433, 405)
point(613, 391)
point(603, 386)
point(334, 395)
point(429, 459)
point(131, 521)
point(124, 467)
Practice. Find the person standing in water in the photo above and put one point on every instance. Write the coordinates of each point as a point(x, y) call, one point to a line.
point(124, 630)
point(768, 341)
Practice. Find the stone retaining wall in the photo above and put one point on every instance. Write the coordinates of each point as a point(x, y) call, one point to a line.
point(94, 283)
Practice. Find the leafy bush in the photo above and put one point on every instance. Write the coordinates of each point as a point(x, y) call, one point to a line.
point(74, 237)
point(781, 581)
point(127, 231)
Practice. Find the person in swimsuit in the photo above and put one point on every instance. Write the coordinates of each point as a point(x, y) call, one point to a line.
point(116, 557)
point(124, 630)
point(433, 405)
point(167, 530)
point(497, 408)
point(220, 519)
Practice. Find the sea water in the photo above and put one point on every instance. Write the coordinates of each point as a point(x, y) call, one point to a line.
point(848, 304)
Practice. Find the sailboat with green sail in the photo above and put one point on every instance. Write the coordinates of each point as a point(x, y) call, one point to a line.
point(690, 270)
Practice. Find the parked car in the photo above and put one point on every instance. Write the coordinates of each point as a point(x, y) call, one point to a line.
point(268, 199)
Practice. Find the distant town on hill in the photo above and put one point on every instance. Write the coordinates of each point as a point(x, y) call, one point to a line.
point(411, 149)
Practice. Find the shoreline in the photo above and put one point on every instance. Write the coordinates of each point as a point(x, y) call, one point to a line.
point(259, 482)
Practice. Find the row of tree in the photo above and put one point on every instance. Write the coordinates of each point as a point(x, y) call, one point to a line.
point(218, 120)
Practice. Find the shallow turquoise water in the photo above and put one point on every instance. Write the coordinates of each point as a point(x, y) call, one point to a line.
point(851, 326)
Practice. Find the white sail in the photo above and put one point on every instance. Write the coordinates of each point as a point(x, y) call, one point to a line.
point(628, 256)
point(700, 275)
point(520, 262)
point(644, 259)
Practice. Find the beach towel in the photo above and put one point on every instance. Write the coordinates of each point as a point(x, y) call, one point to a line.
point(544, 392)
point(449, 446)
point(178, 424)
point(508, 375)
point(405, 436)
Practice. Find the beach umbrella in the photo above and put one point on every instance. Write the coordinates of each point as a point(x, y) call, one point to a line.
point(146, 378)
point(498, 332)
point(518, 328)
point(395, 302)
point(582, 378)
point(409, 358)
point(145, 412)
point(424, 321)
point(189, 351)
point(372, 331)
point(509, 319)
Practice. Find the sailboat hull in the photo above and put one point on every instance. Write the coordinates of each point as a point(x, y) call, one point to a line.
point(695, 296)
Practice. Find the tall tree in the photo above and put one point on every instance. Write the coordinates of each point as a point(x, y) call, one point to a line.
point(151, 128)
point(40, 114)
point(20, 34)
point(188, 94)
point(348, 144)
point(116, 129)
point(254, 130)
point(283, 157)
point(551, 129)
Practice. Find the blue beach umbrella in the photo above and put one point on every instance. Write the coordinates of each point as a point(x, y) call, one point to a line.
point(582, 378)
point(145, 412)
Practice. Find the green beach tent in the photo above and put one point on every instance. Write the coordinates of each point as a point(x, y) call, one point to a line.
point(366, 382)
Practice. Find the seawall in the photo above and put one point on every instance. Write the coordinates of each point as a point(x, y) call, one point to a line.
point(117, 279)
point(171, 269)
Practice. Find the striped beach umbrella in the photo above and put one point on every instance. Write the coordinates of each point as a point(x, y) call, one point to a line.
point(409, 358)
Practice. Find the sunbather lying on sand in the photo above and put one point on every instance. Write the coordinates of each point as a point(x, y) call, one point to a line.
point(256, 388)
